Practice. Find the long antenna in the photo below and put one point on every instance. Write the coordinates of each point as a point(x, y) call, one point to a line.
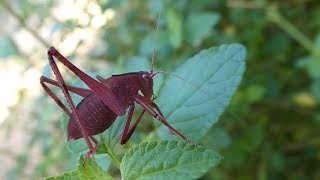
point(192, 84)
point(195, 86)
point(155, 42)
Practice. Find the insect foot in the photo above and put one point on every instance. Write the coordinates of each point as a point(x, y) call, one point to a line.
point(90, 154)
point(192, 143)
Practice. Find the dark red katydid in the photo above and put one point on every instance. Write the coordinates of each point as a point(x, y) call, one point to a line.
point(104, 101)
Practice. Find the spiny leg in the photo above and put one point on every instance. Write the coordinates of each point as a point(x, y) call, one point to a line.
point(93, 151)
point(124, 137)
point(54, 97)
point(125, 134)
point(63, 86)
point(141, 100)
point(136, 124)
point(106, 95)
point(152, 104)
point(79, 91)
point(96, 143)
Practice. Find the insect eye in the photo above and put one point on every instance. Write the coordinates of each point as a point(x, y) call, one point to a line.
point(144, 75)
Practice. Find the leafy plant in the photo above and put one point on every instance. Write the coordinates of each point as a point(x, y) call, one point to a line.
point(90, 170)
point(167, 159)
point(191, 108)
point(278, 97)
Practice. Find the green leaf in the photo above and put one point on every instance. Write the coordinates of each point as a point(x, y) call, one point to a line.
point(175, 27)
point(72, 175)
point(103, 161)
point(167, 159)
point(216, 72)
point(89, 170)
point(198, 26)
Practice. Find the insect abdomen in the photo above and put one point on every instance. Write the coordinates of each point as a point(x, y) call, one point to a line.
point(95, 116)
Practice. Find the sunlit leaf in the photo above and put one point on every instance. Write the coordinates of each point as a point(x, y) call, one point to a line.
point(91, 170)
point(167, 159)
point(216, 73)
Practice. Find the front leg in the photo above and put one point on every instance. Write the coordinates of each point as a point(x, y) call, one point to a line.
point(126, 134)
point(144, 103)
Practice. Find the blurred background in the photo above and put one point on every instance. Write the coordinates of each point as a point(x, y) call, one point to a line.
point(271, 130)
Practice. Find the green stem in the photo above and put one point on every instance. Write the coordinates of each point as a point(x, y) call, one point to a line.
point(113, 156)
point(274, 16)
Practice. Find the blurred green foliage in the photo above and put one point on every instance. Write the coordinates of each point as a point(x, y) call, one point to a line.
point(271, 129)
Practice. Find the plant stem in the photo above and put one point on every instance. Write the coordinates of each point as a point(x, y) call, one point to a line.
point(113, 156)
point(274, 16)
